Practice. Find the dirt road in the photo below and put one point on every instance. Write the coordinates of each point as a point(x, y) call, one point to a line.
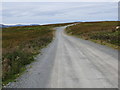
point(70, 62)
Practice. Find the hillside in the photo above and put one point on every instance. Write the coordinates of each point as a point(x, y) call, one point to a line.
point(100, 32)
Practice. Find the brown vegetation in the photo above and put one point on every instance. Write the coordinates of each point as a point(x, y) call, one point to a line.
point(19, 44)
point(103, 32)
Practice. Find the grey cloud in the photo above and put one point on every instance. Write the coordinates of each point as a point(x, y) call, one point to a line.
point(58, 12)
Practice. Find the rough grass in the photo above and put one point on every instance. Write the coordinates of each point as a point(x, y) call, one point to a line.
point(101, 32)
point(19, 44)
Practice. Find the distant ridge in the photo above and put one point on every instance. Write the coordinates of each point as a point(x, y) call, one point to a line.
point(4, 26)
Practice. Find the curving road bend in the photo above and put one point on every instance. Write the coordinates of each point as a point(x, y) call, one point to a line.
point(70, 62)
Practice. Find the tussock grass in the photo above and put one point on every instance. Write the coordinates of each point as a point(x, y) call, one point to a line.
point(103, 32)
point(19, 45)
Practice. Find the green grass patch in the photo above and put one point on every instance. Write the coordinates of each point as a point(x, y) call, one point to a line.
point(13, 77)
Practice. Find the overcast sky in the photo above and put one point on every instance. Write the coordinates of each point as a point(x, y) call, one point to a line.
point(50, 12)
point(60, 0)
